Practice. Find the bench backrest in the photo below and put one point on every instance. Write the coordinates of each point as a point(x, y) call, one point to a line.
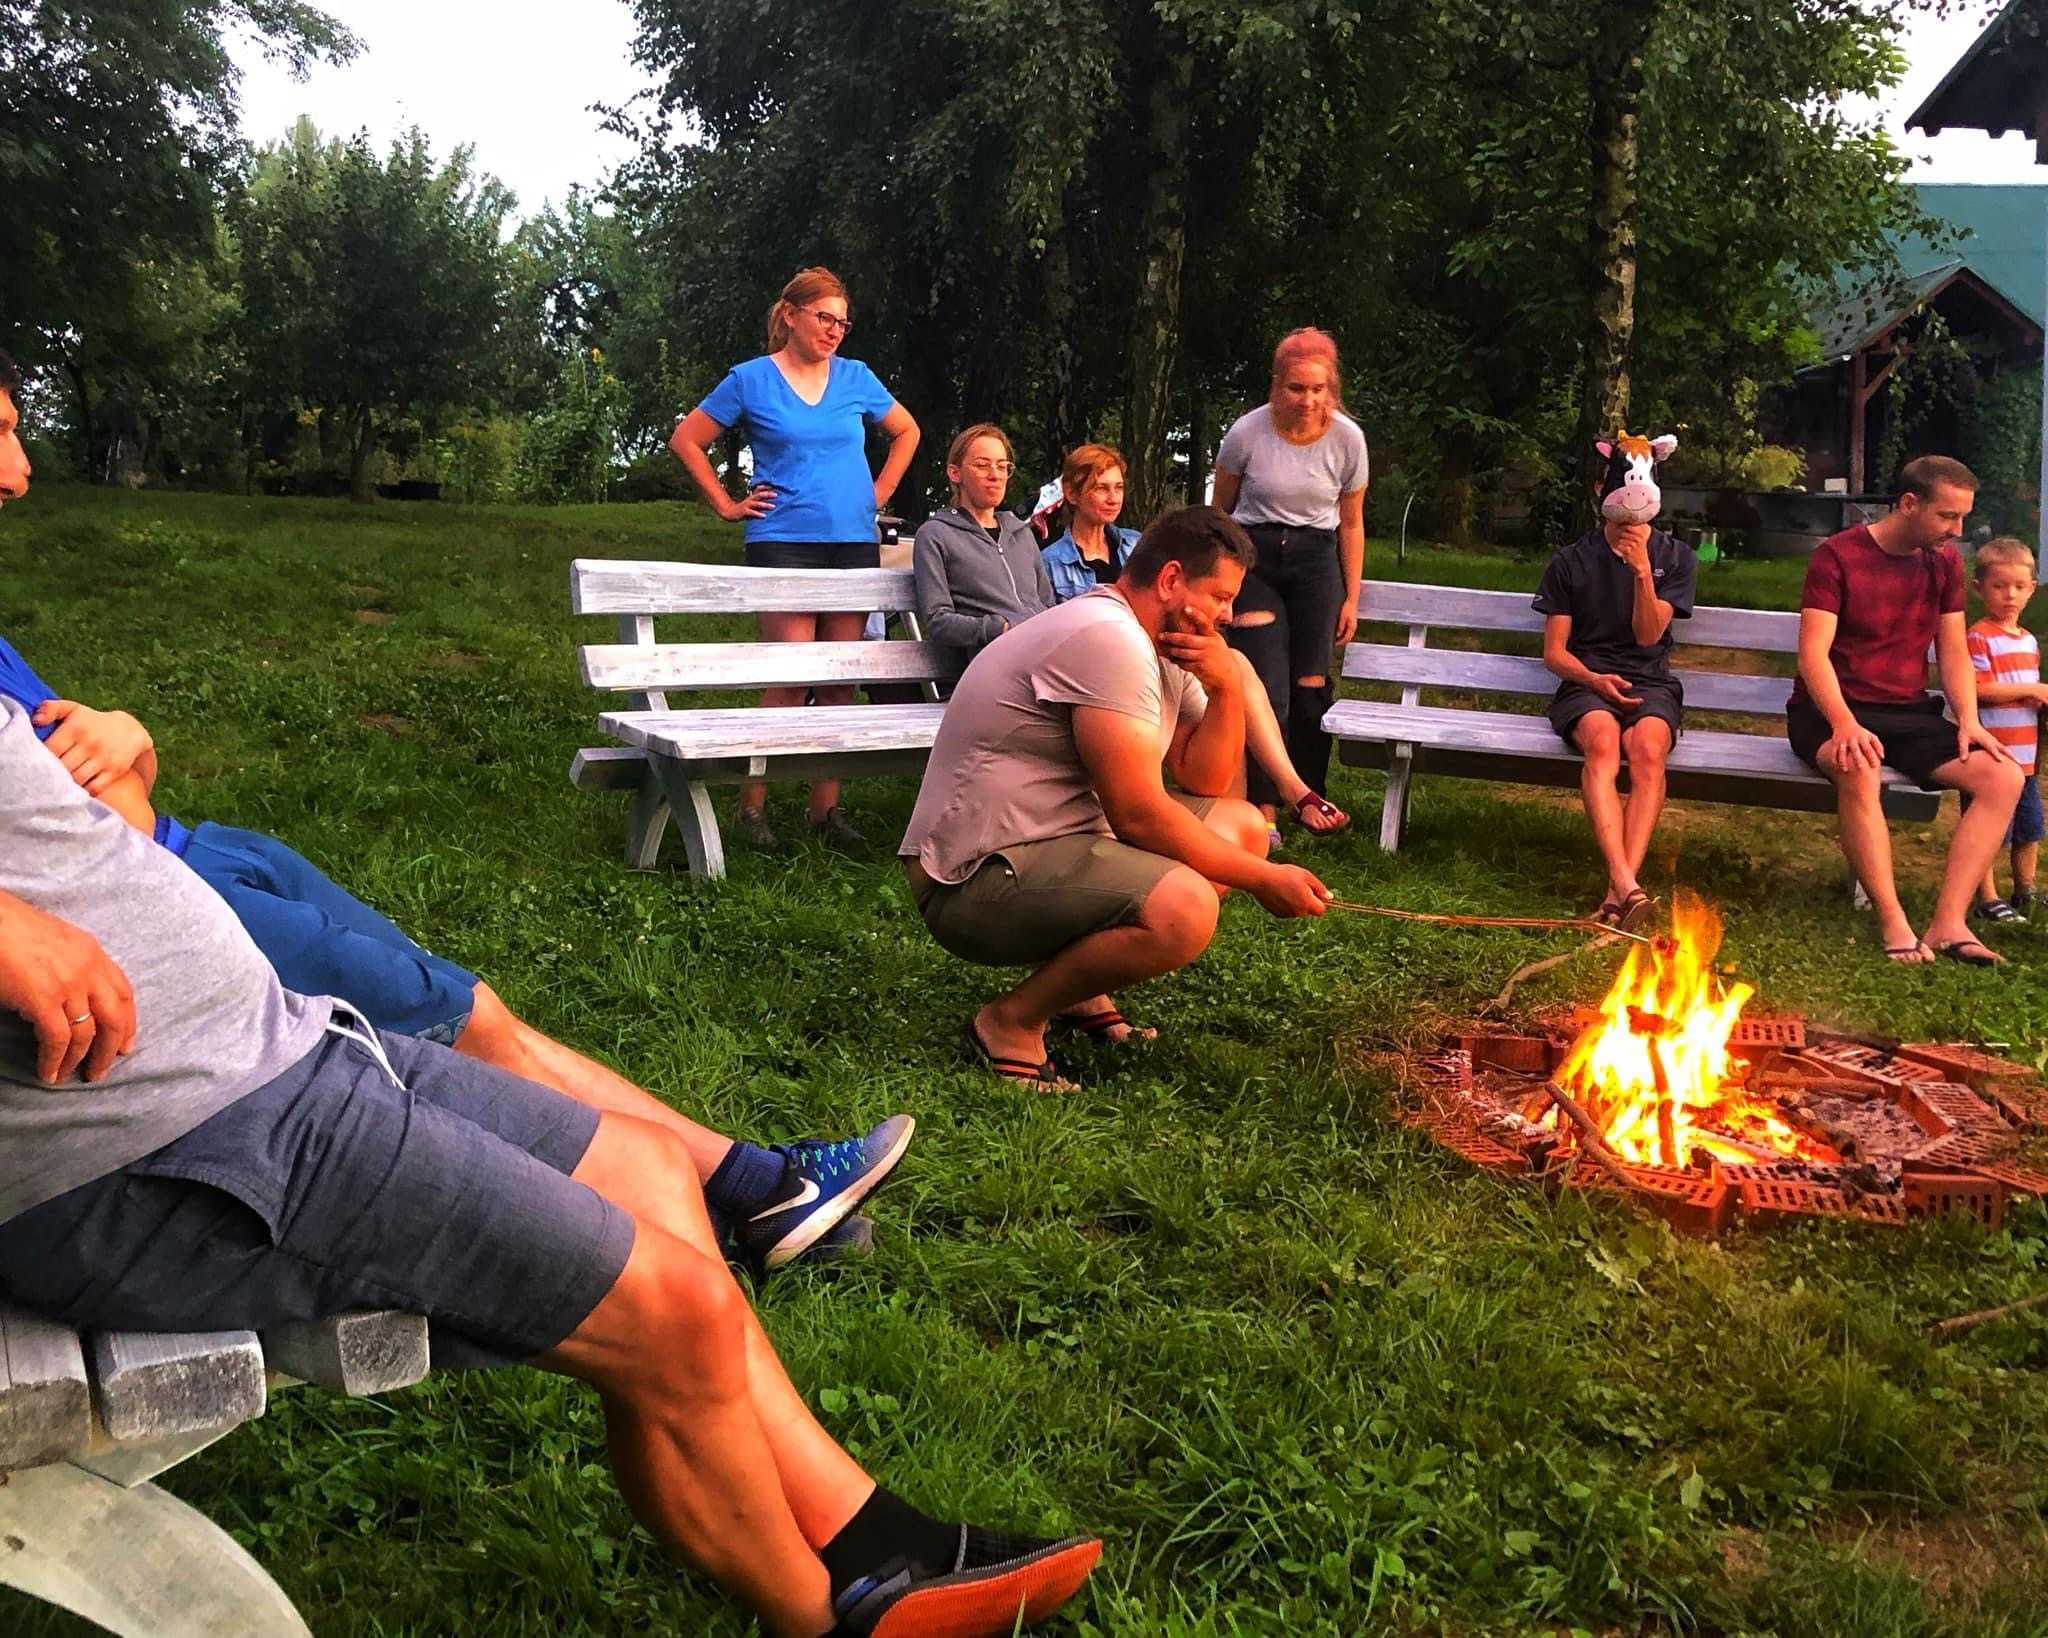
point(641, 665)
point(1424, 609)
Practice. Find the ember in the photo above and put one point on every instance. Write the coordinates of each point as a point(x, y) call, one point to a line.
point(1668, 1092)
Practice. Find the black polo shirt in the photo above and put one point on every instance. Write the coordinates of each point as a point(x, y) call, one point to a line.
point(1587, 581)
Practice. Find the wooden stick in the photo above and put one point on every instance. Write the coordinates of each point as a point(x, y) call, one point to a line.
point(1591, 1143)
point(1447, 919)
point(1949, 1329)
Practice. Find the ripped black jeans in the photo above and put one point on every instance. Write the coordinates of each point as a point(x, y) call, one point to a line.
point(1299, 581)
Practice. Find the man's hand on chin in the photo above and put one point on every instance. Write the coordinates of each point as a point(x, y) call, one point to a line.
point(1198, 648)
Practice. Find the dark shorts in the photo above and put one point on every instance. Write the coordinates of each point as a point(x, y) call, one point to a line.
point(330, 1190)
point(1918, 738)
point(323, 940)
point(814, 554)
point(1024, 905)
point(1663, 700)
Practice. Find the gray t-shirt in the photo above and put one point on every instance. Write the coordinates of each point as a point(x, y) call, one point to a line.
point(1296, 484)
point(212, 1021)
point(1004, 769)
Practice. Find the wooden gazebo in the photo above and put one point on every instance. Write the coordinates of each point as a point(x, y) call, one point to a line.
point(2001, 84)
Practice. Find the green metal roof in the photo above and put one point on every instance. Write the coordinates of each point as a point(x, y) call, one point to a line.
point(2007, 241)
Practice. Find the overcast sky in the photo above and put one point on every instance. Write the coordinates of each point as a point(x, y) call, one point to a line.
point(517, 84)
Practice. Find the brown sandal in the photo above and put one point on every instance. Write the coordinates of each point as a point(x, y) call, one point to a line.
point(1099, 1026)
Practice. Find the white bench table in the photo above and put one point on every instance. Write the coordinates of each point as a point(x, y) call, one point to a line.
point(87, 1422)
point(671, 756)
point(1710, 765)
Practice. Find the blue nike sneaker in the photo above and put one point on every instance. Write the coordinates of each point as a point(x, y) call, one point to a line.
point(823, 1184)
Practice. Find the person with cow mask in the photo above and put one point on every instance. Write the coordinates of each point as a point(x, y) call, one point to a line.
point(1608, 601)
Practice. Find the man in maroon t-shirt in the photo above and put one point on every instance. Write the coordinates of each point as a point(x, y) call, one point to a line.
point(1876, 598)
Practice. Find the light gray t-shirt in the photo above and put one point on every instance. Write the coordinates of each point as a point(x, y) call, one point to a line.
point(1004, 769)
point(212, 1021)
point(1295, 484)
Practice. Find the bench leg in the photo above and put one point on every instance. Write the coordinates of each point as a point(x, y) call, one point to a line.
point(646, 826)
point(697, 823)
point(1394, 810)
point(138, 1562)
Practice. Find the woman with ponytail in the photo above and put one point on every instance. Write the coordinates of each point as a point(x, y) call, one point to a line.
point(813, 503)
point(1293, 472)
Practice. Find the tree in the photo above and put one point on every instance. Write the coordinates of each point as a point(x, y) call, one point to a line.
point(117, 137)
point(374, 291)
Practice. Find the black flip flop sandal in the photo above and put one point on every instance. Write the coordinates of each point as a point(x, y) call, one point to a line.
point(1040, 1077)
point(1097, 1026)
point(1897, 953)
point(1631, 912)
point(1957, 949)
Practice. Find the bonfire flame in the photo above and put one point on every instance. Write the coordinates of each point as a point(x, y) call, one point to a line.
point(1654, 1070)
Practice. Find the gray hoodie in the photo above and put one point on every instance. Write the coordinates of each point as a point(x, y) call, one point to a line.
point(970, 589)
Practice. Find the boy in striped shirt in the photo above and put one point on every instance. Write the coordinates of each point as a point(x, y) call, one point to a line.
point(2010, 695)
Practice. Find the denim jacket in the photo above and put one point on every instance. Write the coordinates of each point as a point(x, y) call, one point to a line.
point(1071, 575)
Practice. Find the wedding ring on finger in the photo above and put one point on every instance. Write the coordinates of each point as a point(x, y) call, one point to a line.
point(83, 1018)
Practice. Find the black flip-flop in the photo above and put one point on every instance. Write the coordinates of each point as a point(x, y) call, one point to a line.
point(1041, 1077)
point(1098, 1025)
point(1955, 950)
point(1896, 953)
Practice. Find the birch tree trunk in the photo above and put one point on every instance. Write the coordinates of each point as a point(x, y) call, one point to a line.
point(1615, 72)
point(1164, 235)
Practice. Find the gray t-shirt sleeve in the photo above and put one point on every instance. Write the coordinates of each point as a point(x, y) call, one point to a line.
point(1235, 450)
point(1102, 666)
point(1354, 467)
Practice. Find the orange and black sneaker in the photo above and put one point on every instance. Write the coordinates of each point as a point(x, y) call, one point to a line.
point(993, 1583)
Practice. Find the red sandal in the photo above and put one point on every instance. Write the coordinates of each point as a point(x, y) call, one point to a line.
point(1323, 808)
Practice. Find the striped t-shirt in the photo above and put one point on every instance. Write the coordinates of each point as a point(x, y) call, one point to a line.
point(2001, 656)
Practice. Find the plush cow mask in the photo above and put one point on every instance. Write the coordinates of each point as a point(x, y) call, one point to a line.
point(1629, 492)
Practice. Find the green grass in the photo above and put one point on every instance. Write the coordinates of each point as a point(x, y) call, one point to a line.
point(1307, 1374)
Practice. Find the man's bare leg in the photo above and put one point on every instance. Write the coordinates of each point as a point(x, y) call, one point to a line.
point(1994, 785)
point(1238, 822)
point(1867, 844)
point(497, 1036)
point(1598, 737)
point(1647, 746)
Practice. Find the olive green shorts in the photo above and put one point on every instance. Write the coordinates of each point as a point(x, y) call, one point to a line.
point(1024, 905)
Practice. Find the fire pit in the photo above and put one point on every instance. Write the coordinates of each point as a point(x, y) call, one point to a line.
point(1668, 1093)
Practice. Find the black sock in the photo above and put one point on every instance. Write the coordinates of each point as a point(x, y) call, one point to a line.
point(884, 1527)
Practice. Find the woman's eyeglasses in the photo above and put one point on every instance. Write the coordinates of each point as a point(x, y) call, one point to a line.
point(992, 469)
point(833, 324)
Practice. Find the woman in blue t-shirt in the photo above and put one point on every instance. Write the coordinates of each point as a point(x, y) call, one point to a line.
point(806, 412)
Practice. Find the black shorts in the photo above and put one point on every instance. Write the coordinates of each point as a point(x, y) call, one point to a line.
point(1918, 738)
point(332, 1189)
point(1663, 700)
point(814, 554)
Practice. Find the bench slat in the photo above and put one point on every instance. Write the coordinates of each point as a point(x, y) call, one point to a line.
point(45, 1399)
point(371, 1352)
point(777, 731)
point(1393, 602)
point(1757, 769)
point(608, 768)
point(149, 1386)
point(626, 666)
point(1522, 674)
point(627, 586)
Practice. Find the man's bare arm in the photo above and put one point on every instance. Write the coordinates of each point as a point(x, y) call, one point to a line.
point(97, 747)
point(1121, 755)
point(1855, 745)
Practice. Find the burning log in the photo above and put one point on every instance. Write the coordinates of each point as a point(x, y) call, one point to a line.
point(1591, 1143)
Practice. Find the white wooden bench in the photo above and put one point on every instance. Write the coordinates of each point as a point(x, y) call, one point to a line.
point(1709, 765)
point(671, 757)
point(87, 1422)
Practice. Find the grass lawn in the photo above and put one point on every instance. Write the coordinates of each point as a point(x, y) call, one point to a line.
point(1306, 1374)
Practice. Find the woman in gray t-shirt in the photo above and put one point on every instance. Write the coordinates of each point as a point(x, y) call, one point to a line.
point(1293, 472)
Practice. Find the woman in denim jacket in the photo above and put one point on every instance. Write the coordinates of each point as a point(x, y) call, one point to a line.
point(1091, 553)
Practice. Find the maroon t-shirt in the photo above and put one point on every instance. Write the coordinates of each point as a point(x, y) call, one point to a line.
point(1888, 610)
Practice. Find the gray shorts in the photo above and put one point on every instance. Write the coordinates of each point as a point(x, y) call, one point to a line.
point(1025, 904)
point(330, 1189)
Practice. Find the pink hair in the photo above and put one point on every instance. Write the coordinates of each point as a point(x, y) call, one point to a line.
point(1300, 346)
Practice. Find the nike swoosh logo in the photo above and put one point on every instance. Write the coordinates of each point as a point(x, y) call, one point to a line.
point(803, 1197)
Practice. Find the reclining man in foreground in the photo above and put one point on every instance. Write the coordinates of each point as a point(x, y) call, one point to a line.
point(240, 1156)
point(771, 1205)
point(1044, 835)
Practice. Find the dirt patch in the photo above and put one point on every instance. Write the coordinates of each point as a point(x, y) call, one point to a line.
point(1745, 1554)
point(385, 723)
point(374, 617)
point(1959, 1559)
point(456, 659)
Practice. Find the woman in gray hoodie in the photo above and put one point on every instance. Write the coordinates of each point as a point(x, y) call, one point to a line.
point(978, 568)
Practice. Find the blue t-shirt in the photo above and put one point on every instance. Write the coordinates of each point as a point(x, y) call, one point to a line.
point(816, 455)
point(19, 682)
